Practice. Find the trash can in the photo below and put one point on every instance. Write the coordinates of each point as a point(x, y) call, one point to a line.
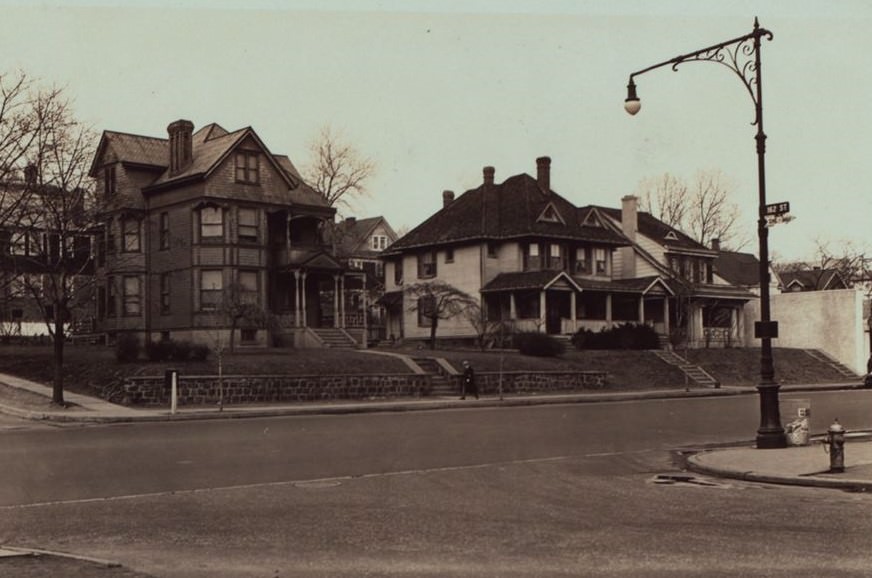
point(795, 414)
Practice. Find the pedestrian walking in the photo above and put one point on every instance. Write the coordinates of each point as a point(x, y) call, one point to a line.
point(867, 382)
point(468, 381)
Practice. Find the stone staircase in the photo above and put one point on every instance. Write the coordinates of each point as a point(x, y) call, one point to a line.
point(444, 385)
point(843, 370)
point(695, 373)
point(334, 338)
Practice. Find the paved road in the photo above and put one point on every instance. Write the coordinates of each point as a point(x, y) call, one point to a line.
point(554, 490)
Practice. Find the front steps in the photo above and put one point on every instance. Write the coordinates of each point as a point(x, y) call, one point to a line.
point(823, 357)
point(695, 373)
point(444, 385)
point(334, 338)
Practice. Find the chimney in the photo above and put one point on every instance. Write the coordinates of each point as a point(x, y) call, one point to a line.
point(630, 216)
point(629, 225)
point(181, 145)
point(447, 198)
point(543, 173)
point(488, 173)
point(350, 221)
point(716, 244)
point(31, 174)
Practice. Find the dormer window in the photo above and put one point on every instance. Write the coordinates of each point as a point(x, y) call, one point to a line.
point(379, 242)
point(550, 215)
point(671, 236)
point(247, 167)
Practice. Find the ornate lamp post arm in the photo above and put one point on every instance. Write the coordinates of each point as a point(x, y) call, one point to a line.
point(742, 56)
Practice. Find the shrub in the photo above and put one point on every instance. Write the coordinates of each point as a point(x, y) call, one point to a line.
point(199, 352)
point(624, 336)
point(538, 344)
point(127, 348)
point(158, 350)
point(181, 351)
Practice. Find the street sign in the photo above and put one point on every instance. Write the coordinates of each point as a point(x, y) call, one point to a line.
point(777, 209)
point(763, 329)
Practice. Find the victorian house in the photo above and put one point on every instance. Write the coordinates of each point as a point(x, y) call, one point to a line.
point(200, 222)
point(537, 262)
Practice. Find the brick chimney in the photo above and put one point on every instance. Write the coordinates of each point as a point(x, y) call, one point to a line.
point(488, 174)
point(716, 244)
point(629, 226)
point(181, 145)
point(447, 198)
point(543, 174)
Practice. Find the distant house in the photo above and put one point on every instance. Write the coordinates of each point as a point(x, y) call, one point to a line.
point(36, 251)
point(359, 245)
point(741, 269)
point(200, 220)
point(537, 262)
point(814, 279)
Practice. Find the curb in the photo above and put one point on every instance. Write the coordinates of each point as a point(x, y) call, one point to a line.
point(366, 407)
point(38, 552)
point(807, 481)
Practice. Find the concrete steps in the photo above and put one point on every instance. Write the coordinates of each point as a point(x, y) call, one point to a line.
point(334, 338)
point(444, 385)
point(823, 357)
point(695, 373)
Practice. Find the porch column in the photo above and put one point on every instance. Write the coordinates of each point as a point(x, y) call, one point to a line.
point(573, 311)
point(641, 310)
point(303, 315)
point(609, 310)
point(365, 306)
point(297, 299)
point(542, 320)
point(343, 297)
point(513, 313)
point(336, 298)
point(666, 315)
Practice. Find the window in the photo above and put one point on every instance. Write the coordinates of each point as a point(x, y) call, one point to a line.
point(426, 306)
point(527, 305)
point(426, 265)
point(130, 236)
point(398, 271)
point(211, 223)
point(211, 286)
point(554, 259)
point(449, 255)
point(581, 261)
point(110, 237)
point(164, 293)
point(379, 242)
point(533, 262)
point(625, 307)
point(109, 181)
point(132, 304)
point(18, 244)
point(247, 167)
point(600, 261)
point(111, 310)
point(101, 302)
point(248, 335)
point(248, 287)
point(492, 249)
point(164, 231)
point(248, 225)
point(592, 305)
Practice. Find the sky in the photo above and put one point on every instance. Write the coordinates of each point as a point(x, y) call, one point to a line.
point(432, 91)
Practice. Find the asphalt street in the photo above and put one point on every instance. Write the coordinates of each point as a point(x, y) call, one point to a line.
point(537, 491)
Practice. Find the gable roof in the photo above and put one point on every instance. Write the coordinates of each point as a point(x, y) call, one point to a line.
point(354, 234)
point(813, 279)
point(132, 148)
point(653, 228)
point(742, 269)
point(511, 209)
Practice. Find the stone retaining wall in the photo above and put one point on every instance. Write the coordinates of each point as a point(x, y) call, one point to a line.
point(238, 390)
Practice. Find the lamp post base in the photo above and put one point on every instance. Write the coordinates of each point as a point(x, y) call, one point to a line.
point(770, 435)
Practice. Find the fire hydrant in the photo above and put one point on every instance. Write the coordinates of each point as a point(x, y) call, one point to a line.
point(835, 446)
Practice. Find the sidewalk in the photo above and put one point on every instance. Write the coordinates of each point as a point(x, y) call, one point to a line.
point(803, 465)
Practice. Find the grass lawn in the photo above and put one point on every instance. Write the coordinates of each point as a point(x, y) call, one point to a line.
point(91, 370)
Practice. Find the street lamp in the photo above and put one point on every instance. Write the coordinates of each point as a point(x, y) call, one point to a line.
point(742, 56)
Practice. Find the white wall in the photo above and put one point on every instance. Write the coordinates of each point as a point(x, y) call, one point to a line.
point(831, 321)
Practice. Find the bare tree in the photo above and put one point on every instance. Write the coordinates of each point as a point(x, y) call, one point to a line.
point(666, 198)
point(240, 307)
point(487, 331)
point(337, 170)
point(437, 300)
point(703, 211)
point(50, 223)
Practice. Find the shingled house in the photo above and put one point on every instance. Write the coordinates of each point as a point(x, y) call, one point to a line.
point(198, 219)
point(540, 263)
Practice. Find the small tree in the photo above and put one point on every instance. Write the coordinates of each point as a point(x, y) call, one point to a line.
point(486, 330)
point(240, 306)
point(437, 300)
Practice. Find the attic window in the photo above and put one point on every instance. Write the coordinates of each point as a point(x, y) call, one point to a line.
point(247, 169)
point(671, 236)
point(550, 215)
point(591, 220)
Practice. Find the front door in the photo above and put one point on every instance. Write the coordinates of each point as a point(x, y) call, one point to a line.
point(558, 307)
